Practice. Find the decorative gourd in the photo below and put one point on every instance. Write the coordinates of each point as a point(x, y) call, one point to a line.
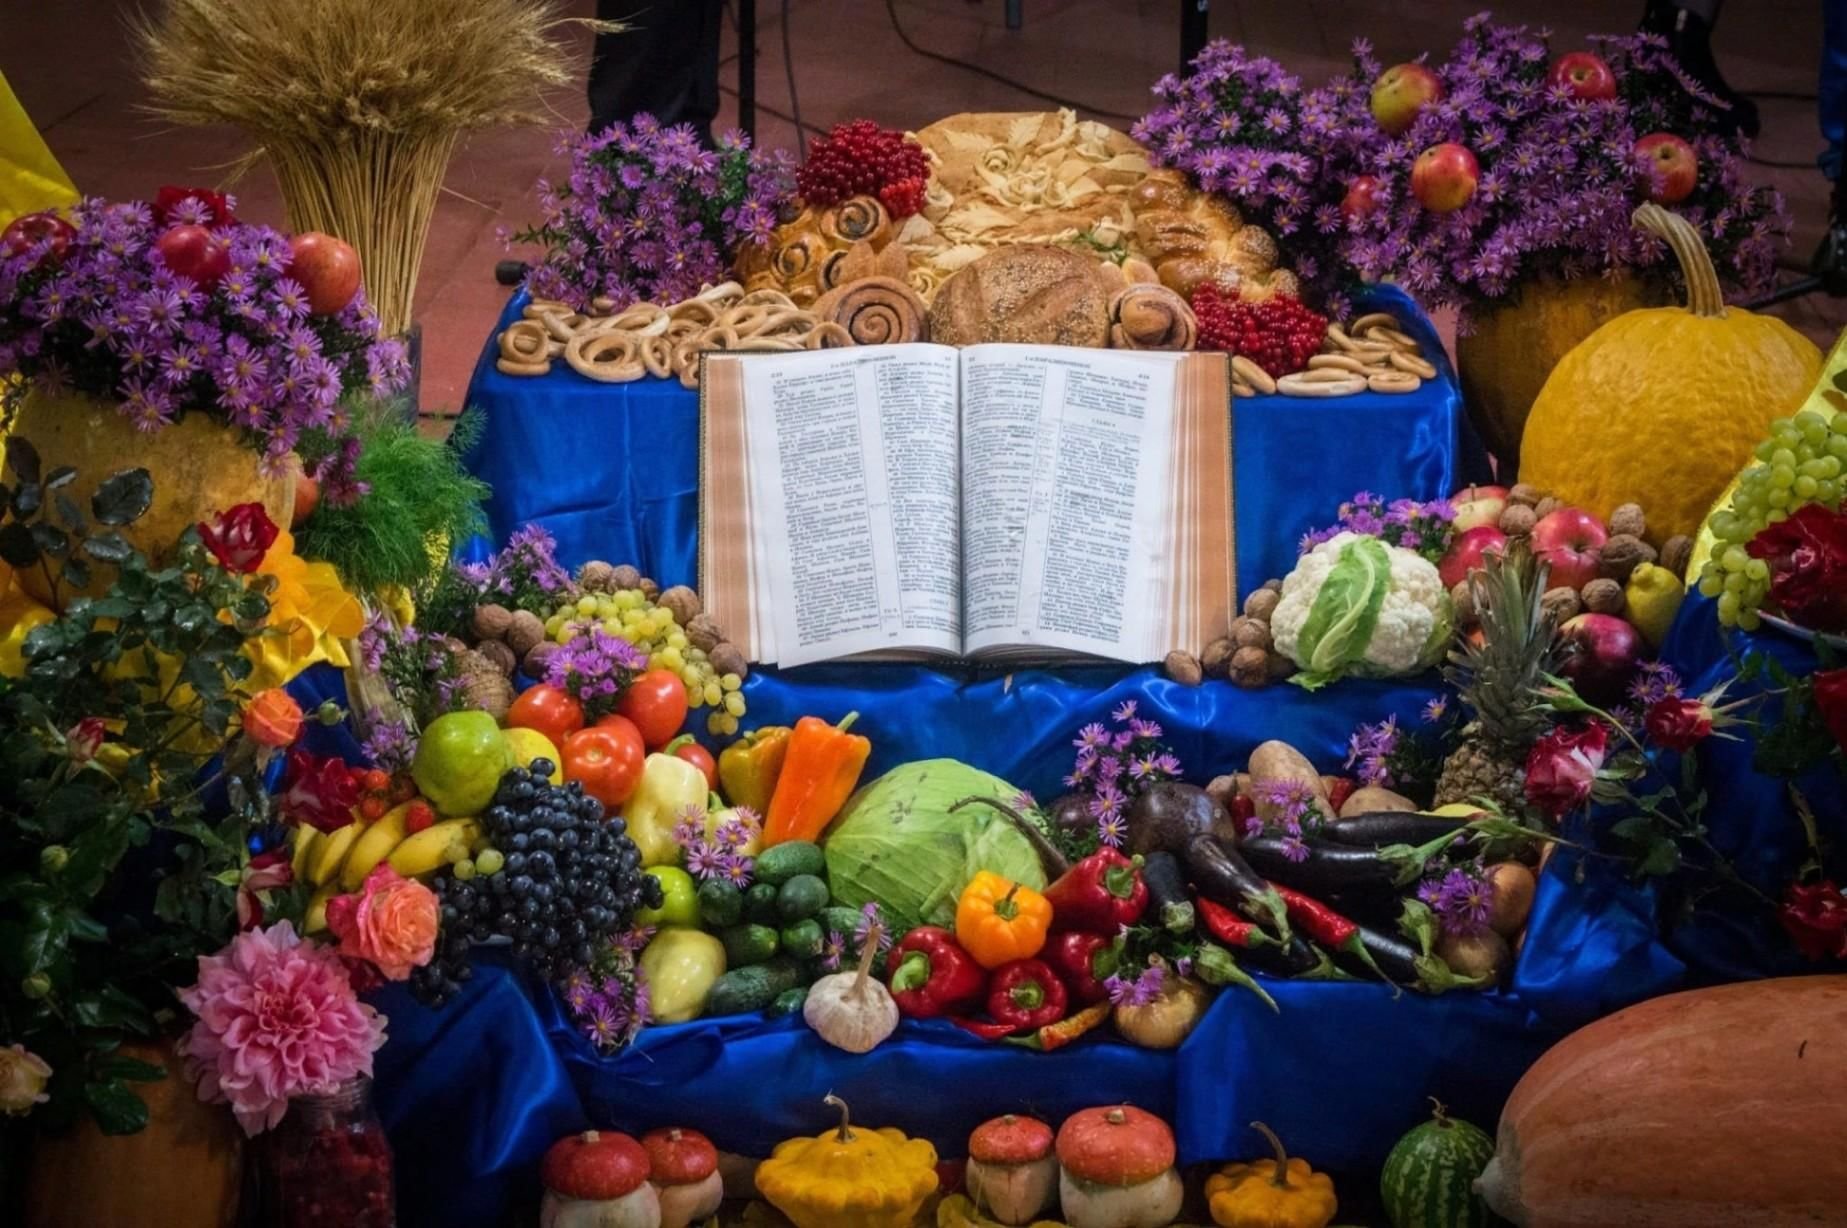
point(1429, 1177)
point(852, 1010)
point(1662, 406)
point(1011, 1170)
point(1277, 1193)
point(683, 1168)
point(847, 1178)
point(597, 1179)
point(1705, 1109)
point(1116, 1169)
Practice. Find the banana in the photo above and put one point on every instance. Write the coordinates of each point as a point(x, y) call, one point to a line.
point(305, 839)
point(373, 847)
point(331, 850)
point(434, 847)
point(315, 919)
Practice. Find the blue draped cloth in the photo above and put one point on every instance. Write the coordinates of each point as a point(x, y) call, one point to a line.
point(612, 470)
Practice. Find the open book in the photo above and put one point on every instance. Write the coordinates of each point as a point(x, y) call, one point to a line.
point(1000, 502)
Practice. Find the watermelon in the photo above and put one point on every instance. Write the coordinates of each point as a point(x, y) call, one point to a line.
point(1429, 1177)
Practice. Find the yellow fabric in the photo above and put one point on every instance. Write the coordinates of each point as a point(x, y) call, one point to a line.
point(30, 177)
point(310, 613)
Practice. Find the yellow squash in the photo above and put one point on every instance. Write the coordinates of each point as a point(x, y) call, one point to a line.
point(1278, 1193)
point(1662, 406)
point(847, 1178)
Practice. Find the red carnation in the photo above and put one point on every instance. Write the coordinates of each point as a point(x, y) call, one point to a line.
point(240, 538)
point(1814, 915)
point(1807, 553)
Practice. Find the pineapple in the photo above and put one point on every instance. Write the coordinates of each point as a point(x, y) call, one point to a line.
point(1499, 680)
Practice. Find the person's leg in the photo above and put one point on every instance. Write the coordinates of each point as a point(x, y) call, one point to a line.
point(1687, 26)
point(665, 63)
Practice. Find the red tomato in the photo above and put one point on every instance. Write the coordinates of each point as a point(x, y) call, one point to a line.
point(32, 228)
point(656, 702)
point(699, 757)
point(547, 710)
point(606, 761)
point(195, 253)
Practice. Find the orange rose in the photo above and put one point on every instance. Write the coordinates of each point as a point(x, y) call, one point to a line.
point(273, 719)
point(391, 923)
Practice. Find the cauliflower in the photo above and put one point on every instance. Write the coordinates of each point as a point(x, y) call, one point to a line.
point(1355, 605)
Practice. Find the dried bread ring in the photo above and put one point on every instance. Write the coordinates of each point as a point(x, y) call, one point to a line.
point(1412, 363)
point(1394, 382)
point(1373, 319)
point(515, 366)
point(1259, 379)
point(657, 356)
point(541, 307)
point(1339, 362)
point(1241, 389)
point(827, 335)
point(524, 341)
point(1393, 337)
point(1301, 385)
point(608, 358)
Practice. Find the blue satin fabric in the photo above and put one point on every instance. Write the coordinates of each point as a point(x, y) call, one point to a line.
point(612, 470)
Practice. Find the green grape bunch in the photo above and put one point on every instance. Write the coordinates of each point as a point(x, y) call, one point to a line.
point(1803, 461)
point(652, 628)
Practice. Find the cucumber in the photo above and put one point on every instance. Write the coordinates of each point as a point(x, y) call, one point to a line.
point(802, 896)
point(760, 903)
point(749, 944)
point(839, 919)
point(742, 990)
point(803, 939)
point(789, 1001)
point(781, 862)
point(721, 904)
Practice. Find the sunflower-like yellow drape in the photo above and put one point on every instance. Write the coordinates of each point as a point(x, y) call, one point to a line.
point(30, 177)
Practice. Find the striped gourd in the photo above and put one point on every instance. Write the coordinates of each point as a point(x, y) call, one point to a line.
point(1428, 1180)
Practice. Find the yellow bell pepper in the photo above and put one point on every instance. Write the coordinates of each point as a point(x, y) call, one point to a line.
point(847, 1178)
point(669, 789)
point(681, 964)
point(749, 767)
point(1279, 1193)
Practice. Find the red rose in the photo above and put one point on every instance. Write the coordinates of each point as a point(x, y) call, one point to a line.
point(1678, 724)
point(84, 739)
point(265, 872)
point(1563, 765)
point(216, 205)
point(1831, 702)
point(240, 538)
point(1815, 917)
point(1807, 554)
point(319, 792)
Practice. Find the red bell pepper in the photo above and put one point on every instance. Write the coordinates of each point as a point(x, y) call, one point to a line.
point(1102, 893)
point(1026, 995)
point(1084, 962)
point(932, 975)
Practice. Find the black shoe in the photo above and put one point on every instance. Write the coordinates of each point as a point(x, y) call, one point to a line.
point(1689, 39)
point(510, 272)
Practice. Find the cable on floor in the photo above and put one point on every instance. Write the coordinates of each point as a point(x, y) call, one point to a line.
point(891, 8)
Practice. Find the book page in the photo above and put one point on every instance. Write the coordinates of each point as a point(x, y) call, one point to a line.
point(853, 460)
point(1067, 458)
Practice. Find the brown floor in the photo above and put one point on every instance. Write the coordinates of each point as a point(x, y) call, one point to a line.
point(69, 62)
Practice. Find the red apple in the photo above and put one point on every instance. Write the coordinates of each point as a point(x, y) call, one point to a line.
point(1569, 541)
point(1478, 505)
point(1362, 198)
point(1600, 655)
point(1586, 75)
point(195, 253)
point(1465, 553)
point(327, 268)
point(30, 229)
point(1400, 93)
point(1670, 166)
point(1444, 176)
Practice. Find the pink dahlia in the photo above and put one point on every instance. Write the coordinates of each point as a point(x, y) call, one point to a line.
point(277, 1018)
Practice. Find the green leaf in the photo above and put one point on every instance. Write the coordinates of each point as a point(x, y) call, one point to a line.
point(1662, 857)
point(1418, 924)
point(60, 477)
point(76, 573)
point(22, 459)
point(118, 1109)
point(109, 548)
point(123, 498)
point(112, 1007)
point(27, 500)
point(70, 515)
point(1345, 610)
point(131, 1069)
point(17, 546)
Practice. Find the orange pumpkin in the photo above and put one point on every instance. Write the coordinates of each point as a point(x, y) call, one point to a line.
point(1715, 1108)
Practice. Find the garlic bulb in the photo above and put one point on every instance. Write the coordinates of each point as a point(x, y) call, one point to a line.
point(850, 1010)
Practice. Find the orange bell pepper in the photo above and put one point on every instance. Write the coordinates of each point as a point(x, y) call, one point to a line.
point(999, 921)
point(819, 772)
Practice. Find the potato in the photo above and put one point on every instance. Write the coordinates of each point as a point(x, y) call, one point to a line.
point(1275, 763)
point(1514, 887)
point(1483, 954)
point(1370, 798)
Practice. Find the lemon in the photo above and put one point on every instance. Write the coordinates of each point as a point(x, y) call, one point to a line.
point(1653, 596)
point(530, 744)
point(459, 762)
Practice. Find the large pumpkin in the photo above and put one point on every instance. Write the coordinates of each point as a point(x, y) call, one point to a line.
point(1662, 406)
point(1715, 1108)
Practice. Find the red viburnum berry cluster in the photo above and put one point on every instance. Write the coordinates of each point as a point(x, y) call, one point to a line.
point(863, 159)
point(1279, 334)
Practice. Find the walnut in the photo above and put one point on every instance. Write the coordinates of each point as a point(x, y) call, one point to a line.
point(682, 602)
point(1621, 555)
point(597, 576)
point(1183, 667)
point(1524, 494)
point(1603, 597)
point(538, 659)
point(1215, 661)
point(491, 622)
point(1280, 666)
point(728, 658)
point(702, 633)
point(1627, 519)
point(524, 631)
point(1561, 604)
point(1462, 597)
point(649, 588)
point(1250, 633)
point(1676, 553)
point(1261, 604)
point(1274, 586)
point(1546, 506)
point(625, 576)
point(1250, 667)
point(499, 654)
point(1517, 520)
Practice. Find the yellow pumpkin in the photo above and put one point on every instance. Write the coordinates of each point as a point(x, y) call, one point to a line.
point(847, 1178)
point(1662, 406)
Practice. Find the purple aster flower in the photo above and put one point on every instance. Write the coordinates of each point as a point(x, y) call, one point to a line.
point(1435, 710)
point(1112, 829)
point(735, 868)
point(1092, 737)
point(833, 950)
point(704, 860)
point(869, 916)
point(1123, 712)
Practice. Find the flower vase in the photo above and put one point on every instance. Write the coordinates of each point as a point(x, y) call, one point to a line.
point(1511, 348)
point(329, 1163)
point(183, 1170)
point(200, 466)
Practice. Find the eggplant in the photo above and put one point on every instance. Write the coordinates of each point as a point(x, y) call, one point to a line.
point(1070, 813)
point(1220, 875)
point(1382, 827)
point(1169, 814)
point(1396, 958)
point(1327, 870)
point(1168, 902)
point(1293, 958)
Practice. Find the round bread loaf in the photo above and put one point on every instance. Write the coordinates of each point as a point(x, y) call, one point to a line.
point(1028, 295)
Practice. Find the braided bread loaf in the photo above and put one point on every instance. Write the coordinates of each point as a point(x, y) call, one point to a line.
point(1193, 238)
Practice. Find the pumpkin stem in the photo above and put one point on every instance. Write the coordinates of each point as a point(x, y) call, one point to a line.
point(1439, 1111)
point(1281, 1179)
point(1704, 297)
point(846, 1124)
point(874, 932)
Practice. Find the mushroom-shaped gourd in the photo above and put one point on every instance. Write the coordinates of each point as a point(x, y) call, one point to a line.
point(1116, 1169)
point(847, 1178)
point(1280, 1193)
point(1011, 1170)
point(597, 1179)
point(683, 1165)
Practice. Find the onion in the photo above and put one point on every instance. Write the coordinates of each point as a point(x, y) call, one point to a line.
point(1483, 954)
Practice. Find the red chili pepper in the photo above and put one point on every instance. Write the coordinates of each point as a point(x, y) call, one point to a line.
point(987, 1029)
point(1058, 1035)
point(1026, 994)
point(1339, 790)
point(1084, 961)
point(1227, 926)
point(932, 975)
point(1102, 893)
point(1326, 926)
